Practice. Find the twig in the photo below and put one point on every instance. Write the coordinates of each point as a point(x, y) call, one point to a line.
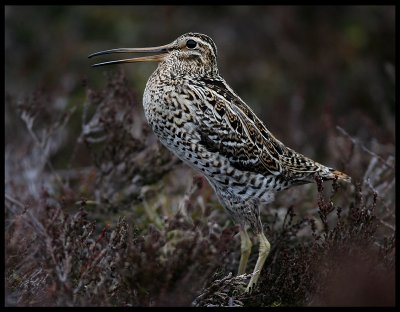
point(388, 225)
point(35, 223)
point(14, 201)
point(356, 142)
point(29, 125)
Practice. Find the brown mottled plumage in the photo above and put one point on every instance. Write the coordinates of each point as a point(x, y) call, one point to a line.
point(198, 117)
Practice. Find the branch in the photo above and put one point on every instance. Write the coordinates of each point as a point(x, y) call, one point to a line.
point(356, 142)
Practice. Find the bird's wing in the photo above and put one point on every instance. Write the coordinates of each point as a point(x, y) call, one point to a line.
point(228, 126)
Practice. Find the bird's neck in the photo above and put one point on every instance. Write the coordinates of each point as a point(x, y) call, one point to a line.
point(171, 69)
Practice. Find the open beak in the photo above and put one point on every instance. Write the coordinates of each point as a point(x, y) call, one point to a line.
point(152, 58)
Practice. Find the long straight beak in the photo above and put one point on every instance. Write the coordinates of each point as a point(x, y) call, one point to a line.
point(152, 58)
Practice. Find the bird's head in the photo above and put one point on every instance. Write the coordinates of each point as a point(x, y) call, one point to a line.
point(190, 54)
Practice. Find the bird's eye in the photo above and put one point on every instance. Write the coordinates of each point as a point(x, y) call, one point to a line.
point(191, 44)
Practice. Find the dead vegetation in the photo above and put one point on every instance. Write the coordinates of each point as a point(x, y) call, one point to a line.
point(117, 224)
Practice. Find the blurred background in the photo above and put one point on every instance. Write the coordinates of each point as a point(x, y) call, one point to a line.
point(304, 70)
point(322, 78)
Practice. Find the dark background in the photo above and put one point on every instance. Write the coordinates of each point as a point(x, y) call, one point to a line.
point(76, 140)
point(303, 69)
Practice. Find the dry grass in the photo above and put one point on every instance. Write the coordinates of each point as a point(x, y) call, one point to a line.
point(117, 225)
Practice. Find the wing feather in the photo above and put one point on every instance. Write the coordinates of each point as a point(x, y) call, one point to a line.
point(228, 126)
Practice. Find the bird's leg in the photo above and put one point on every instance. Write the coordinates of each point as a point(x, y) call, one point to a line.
point(265, 247)
point(245, 249)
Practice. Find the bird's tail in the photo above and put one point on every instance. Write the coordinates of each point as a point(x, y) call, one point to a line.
point(331, 174)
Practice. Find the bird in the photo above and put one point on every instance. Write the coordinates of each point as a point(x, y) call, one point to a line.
point(199, 118)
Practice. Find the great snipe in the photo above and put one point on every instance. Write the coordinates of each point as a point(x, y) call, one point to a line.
point(198, 117)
